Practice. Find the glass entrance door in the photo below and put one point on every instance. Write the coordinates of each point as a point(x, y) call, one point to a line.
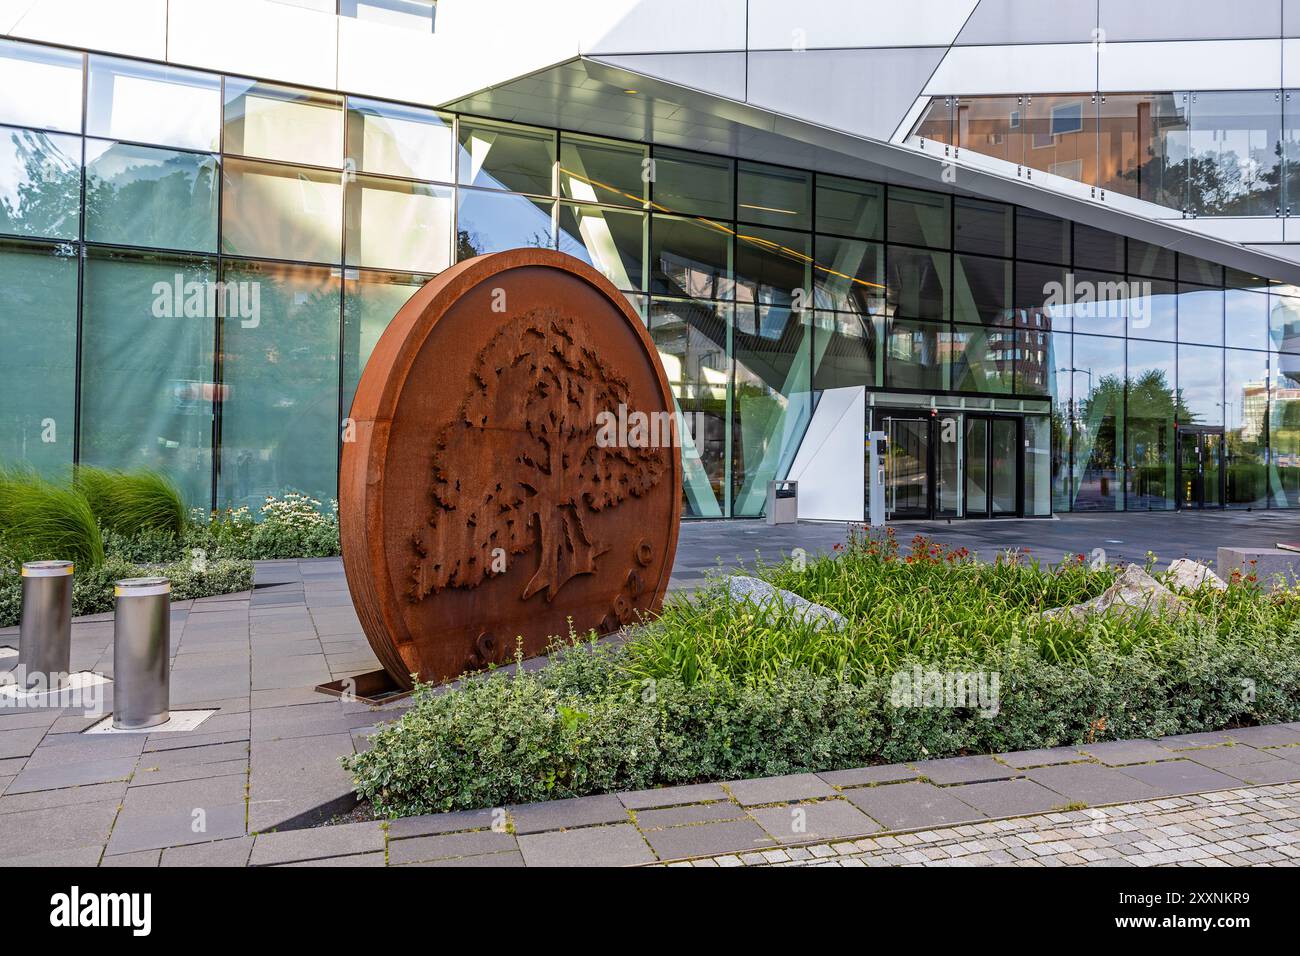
point(1200, 469)
point(907, 467)
point(993, 460)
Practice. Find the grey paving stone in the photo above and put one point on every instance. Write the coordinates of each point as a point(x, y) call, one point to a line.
point(1009, 798)
point(233, 852)
point(68, 796)
point(617, 845)
point(290, 777)
point(1093, 784)
point(1228, 755)
point(709, 839)
point(691, 813)
point(441, 823)
point(79, 857)
point(71, 775)
point(510, 858)
point(798, 786)
point(20, 743)
point(449, 846)
point(1265, 772)
point(905, 806)
point(316, 843)
point(1118, 753)
point(187, 794)
point(141, 858)
point(963, 770)
point(672, 796)
point(1276, 735)
point(145, 829)
point(1181, 776)
point(357, 859)
point(1044, 757)
point(50, 829)
point(864, 776)
point(152, 775)
point(578, 812)
point(61, 749)
point(814, 822)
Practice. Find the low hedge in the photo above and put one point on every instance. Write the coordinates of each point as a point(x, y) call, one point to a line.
point(578, 726)
point(92, 588)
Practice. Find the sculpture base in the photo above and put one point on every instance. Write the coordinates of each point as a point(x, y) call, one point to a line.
point(373, 688)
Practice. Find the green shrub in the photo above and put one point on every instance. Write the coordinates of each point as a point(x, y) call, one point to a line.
point(293, 526)
point(132, 503)
point(44, 521)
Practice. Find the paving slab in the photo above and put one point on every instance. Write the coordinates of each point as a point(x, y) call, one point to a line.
point(1227, 755)
point(508, 858)
point(1181, 776)
point(688, 814)
point(577, 812)
point(1093, 784)
point(1265, 772)
point(232, 852)
point(140, 858)
point(1118, 753)
point(709, 839)
point(617, 845)
point(65, 797)
point(449, 846)
point(434, 823)
point(866, 776)
point(807, 822)
point(1042, 757)
point(907, 806)
point(317, 842)
point(798, 786)
point(672, 796)
point(356, 859)
point(71, 775)
point(963, 770)
point(1276, 735)
point(145, 829)
point(288, 778)
point(50, 829)
point(1009, 798)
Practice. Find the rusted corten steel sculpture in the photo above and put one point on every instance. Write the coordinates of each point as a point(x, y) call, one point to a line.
point(514, 468)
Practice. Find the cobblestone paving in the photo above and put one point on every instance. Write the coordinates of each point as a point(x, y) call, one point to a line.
point(1252, 826)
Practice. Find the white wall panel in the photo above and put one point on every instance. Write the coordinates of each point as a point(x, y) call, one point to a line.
point(1026, 68)
point(387, 61)
point(780, 24)
point(722, 74)
point(255, 38)
point(129, 27)
point(1291, 63)
point(651, 26)
point(1236, 230)
point(831, 464)
point(1193, 64)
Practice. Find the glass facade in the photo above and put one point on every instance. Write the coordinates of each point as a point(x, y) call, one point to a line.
point(1233, 153)
point(199, 293)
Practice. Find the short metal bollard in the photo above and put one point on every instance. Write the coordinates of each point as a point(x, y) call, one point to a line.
point(142, 630)
point(45, 625)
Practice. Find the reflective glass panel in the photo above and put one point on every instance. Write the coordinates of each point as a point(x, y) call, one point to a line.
point(399, 140)
point(501, 156)
point(936, 121)
point(849, 275)
point(40, 87)
point(920, 218)
point(1246, 438)
point(40, 184)
point(1097, 249)
point(918, 283)
point(1098, 433)
point(492, 222)
point(991, 126)
point(1145, 259)
point(1100, 303)
point(982, 227)
point(1247, 318)
point(1236, 138)
point(398, 225)
point(850, 207)
point(280, 423)
point(1142, 146)
point(1153, 408)
point(773, 266)
point(148, 398)
point(691, 257)
point(612, 240)
point(981, 290)
point(1200, 315)
point(1152, 309)
point(983, 360)
point(370, 301)
point(148, 103)
point(1035, 356)
point(1284, 324)
point(1284, 431)
point(1041, 300)
point(1061, 135)
point(1200, 384)
point(598, 170)
point(38, 356)
point(1042, 238)
point(917, 354)
point(281, 212)
point(774, 196)
point(284, 123)
point(693, 184)
point(846, 351)
point(141, 196)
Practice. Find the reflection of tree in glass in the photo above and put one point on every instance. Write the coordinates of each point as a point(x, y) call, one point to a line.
point(143, 199)
point(45, 200)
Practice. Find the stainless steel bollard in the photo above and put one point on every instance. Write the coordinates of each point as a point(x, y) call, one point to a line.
point(45, 625)
point(142, 632)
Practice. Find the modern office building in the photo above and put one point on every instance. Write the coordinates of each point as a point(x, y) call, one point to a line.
point(1047, 247)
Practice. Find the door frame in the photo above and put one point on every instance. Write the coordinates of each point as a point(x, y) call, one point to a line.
point(988, 418)
point(884, 415)
point(1200, 432)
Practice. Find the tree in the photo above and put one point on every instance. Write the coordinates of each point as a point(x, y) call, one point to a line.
point(520, 464)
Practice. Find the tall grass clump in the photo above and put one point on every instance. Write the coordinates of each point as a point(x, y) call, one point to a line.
point(43, 521)
point(132, 503)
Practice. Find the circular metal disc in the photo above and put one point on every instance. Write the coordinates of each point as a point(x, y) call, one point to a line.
point(509, 468)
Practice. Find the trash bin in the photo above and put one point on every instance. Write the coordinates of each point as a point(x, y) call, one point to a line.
point(141, 649)
point(782, 502)
point(45, 625)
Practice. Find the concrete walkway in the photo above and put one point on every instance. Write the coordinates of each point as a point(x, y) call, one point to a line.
point(267, 757)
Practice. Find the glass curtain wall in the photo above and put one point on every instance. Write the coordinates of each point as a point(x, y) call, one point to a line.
point(216, 258)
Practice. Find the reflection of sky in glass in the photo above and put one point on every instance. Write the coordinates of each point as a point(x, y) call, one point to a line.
point(401, 141)
point(42, 87)
point(58, 158)
point(496, 221)
point(153, 104)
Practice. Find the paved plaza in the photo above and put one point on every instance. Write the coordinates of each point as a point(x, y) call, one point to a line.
point(251, 783)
